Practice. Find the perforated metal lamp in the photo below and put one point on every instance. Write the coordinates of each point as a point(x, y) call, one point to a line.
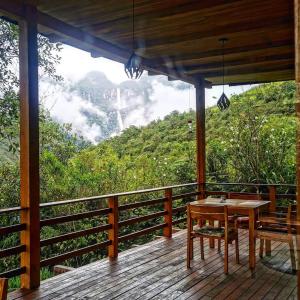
point(223, 102)
point(134, 68)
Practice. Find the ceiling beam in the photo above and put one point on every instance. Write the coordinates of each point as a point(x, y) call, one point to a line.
point(73, 35)
point(218, 31)
point(161, 10)
point(239, 62)
point(251, 70)
point(210, 54)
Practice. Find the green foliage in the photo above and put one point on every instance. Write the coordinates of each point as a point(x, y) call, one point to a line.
point(252, 141)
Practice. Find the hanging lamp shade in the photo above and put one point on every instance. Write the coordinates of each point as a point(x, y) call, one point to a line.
point(133, 67)
point(223, 102)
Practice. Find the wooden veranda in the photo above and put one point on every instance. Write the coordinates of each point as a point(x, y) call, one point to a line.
point(179, 39)
point(157, 271)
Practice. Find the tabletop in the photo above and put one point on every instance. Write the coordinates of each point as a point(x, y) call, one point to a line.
point(239, 203)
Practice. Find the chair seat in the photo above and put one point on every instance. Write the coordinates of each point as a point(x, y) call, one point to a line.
point(213, 231)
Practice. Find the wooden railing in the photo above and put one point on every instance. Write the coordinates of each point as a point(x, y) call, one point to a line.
point(114, 205)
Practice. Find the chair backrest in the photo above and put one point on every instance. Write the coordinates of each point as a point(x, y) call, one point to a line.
point(291, 216)
point(244, 196)
point(3, 288)
point(208, 212)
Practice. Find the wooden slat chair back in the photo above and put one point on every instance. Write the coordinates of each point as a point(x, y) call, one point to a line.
point(3, 288)
point(244, 196)
point(227, 233)
point(243, 221)
point(274, 228)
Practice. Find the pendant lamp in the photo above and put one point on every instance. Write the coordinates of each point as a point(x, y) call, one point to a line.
point(223, 102)
point(133, 68)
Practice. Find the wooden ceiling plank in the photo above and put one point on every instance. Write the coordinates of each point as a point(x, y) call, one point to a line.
point(250, 70)
point(234, 63)
point(211, 54)
point(67, 31)
point(236, 28)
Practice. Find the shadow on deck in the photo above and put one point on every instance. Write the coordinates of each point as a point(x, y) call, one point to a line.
point(157, 270)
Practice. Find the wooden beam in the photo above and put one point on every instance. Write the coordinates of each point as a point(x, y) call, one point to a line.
point(152, 73)
point(3, 288)
point(210, 54)
point(297, 81)
point(154, 12)
point(200, 135)
point(81, 39)
point(251, 60)
point(251, 69)
point(29, 148)
point(217, 31)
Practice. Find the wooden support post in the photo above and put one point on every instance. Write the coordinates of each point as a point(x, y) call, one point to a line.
point(3, 288)
point(297, 81)
point(200, 141)
point(167, 231)
point(29, 148)
point(272, 197)
point(113, 219)
point(200, 135)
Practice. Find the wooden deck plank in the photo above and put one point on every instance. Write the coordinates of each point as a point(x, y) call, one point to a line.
point(212, 268)
point(157, 270)
point(179, 274)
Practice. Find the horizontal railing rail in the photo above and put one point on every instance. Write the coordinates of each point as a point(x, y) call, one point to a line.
point(168, 210)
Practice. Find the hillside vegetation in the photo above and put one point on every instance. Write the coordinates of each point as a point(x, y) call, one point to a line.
point(253, 141)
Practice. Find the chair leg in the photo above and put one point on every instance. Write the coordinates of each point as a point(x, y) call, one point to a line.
point(268, 248)
point(192, 248)
point(188, 253)
point(237, 252)
point(202, 247)
point(219, 245)
point(226, 256)
point(292, 253)
point(261, 247)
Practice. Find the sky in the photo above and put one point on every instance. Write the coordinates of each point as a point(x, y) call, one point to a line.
point(75, 64)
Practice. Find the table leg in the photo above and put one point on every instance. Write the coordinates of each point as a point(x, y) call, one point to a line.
point(252, 214)
point(211, 240)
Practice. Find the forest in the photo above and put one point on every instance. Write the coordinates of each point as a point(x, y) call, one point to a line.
point(253, 141)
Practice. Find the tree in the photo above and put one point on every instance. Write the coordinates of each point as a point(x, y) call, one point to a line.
point(9, 81)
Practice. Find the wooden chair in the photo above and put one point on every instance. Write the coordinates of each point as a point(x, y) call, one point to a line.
point(275, 227)
point(3, 288)
point(210, 213)
point(243, 221)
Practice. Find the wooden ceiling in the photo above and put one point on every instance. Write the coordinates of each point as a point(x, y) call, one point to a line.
point(181, 37)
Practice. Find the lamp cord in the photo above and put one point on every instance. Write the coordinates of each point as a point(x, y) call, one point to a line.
point(133, 46)
point(223, 64)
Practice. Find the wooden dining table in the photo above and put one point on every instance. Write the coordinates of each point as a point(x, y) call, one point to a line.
point(243, 207)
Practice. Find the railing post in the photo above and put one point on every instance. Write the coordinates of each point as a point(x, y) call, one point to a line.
point(113, 219)
point(3, 288)
point(272, 197)
point(167, 231)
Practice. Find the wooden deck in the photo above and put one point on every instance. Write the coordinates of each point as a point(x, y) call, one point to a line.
point(157, 270)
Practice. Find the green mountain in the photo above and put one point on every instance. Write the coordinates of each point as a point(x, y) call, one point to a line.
point(252, 141)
